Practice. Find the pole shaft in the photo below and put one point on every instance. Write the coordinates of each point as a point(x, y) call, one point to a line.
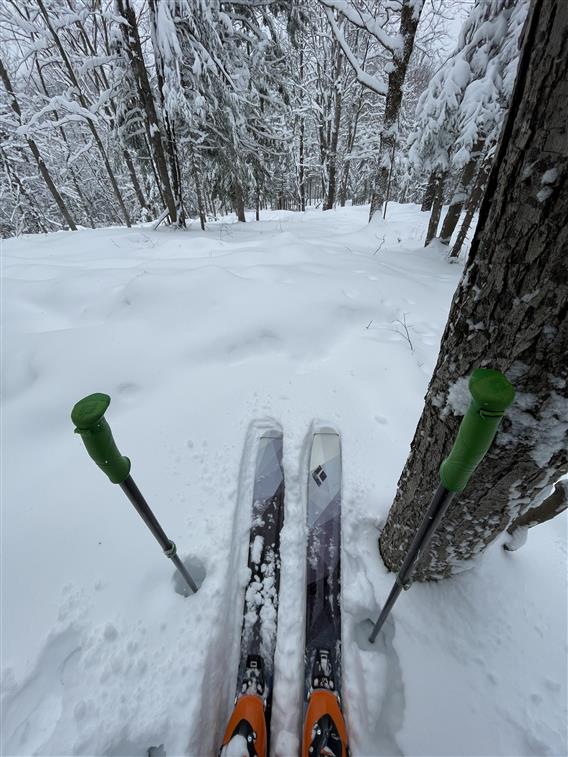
point(430, 522)
point(143, 509)
point(185, 573)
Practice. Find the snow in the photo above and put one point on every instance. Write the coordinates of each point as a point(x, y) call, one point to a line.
point(256, 549)
point(237, 747)
point(201, 339)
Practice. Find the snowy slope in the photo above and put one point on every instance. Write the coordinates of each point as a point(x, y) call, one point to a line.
point(200, 337)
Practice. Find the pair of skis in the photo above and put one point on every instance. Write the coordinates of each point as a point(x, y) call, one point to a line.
point(324, 732)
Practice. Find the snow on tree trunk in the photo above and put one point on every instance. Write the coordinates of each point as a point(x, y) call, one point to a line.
point(409, 17)
point(437, 200)
point(510, 313)
point(552, 506)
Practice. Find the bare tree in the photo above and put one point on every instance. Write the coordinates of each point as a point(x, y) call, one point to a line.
point(83, 102)
point(36, 153)
point(133, 49)
point(399, 48)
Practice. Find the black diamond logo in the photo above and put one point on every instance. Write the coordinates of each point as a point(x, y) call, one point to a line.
point(319, 475)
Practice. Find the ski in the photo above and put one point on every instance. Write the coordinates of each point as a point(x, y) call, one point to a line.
point(324, 731)
point(248, 731)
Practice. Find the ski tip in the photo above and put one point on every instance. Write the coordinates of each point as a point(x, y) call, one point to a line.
point(322, 428)
point(271, 433)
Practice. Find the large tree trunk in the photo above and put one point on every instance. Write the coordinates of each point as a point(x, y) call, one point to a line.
point(409, 16)
point(460, 195)
point(510, 313)
point(46, 176)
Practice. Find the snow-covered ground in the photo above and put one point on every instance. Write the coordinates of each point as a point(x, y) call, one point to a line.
point(199, 337)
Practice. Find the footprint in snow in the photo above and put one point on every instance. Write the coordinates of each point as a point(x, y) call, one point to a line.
point(31, 713)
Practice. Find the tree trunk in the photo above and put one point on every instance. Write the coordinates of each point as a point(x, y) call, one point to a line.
point(133, 48)
point(169, 126)
point(409, 16)
point(18, 189)
point(198, 190)
point(239, 203)
point(351, 136)
point(473, 204)
point(301, 167)
point(511, 313)
point(332, 158)
point(135, 182)
point(436, 207)
point(460, 195)
point(46, 176)
point(428, 198)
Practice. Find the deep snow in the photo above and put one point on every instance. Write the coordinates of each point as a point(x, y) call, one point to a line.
point(199, 337)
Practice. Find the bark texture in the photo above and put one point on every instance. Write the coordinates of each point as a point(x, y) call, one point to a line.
point(511, 313)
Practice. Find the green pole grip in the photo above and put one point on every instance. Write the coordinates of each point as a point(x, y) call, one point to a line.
point(491, 395)
point(90, 423)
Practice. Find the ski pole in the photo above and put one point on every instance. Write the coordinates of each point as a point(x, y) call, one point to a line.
point(491, 395)
point(88, 417)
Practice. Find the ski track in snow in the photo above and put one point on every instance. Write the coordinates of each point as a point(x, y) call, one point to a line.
point(203, 339)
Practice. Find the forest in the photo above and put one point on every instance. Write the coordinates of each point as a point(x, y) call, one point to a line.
point(115, 112)
point(308, 259)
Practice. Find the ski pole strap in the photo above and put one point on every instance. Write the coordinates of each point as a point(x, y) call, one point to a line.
point(491, 395)
point(90, 423)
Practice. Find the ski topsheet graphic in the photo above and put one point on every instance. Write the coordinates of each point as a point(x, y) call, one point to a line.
point(248, 730)
point(324, 730)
